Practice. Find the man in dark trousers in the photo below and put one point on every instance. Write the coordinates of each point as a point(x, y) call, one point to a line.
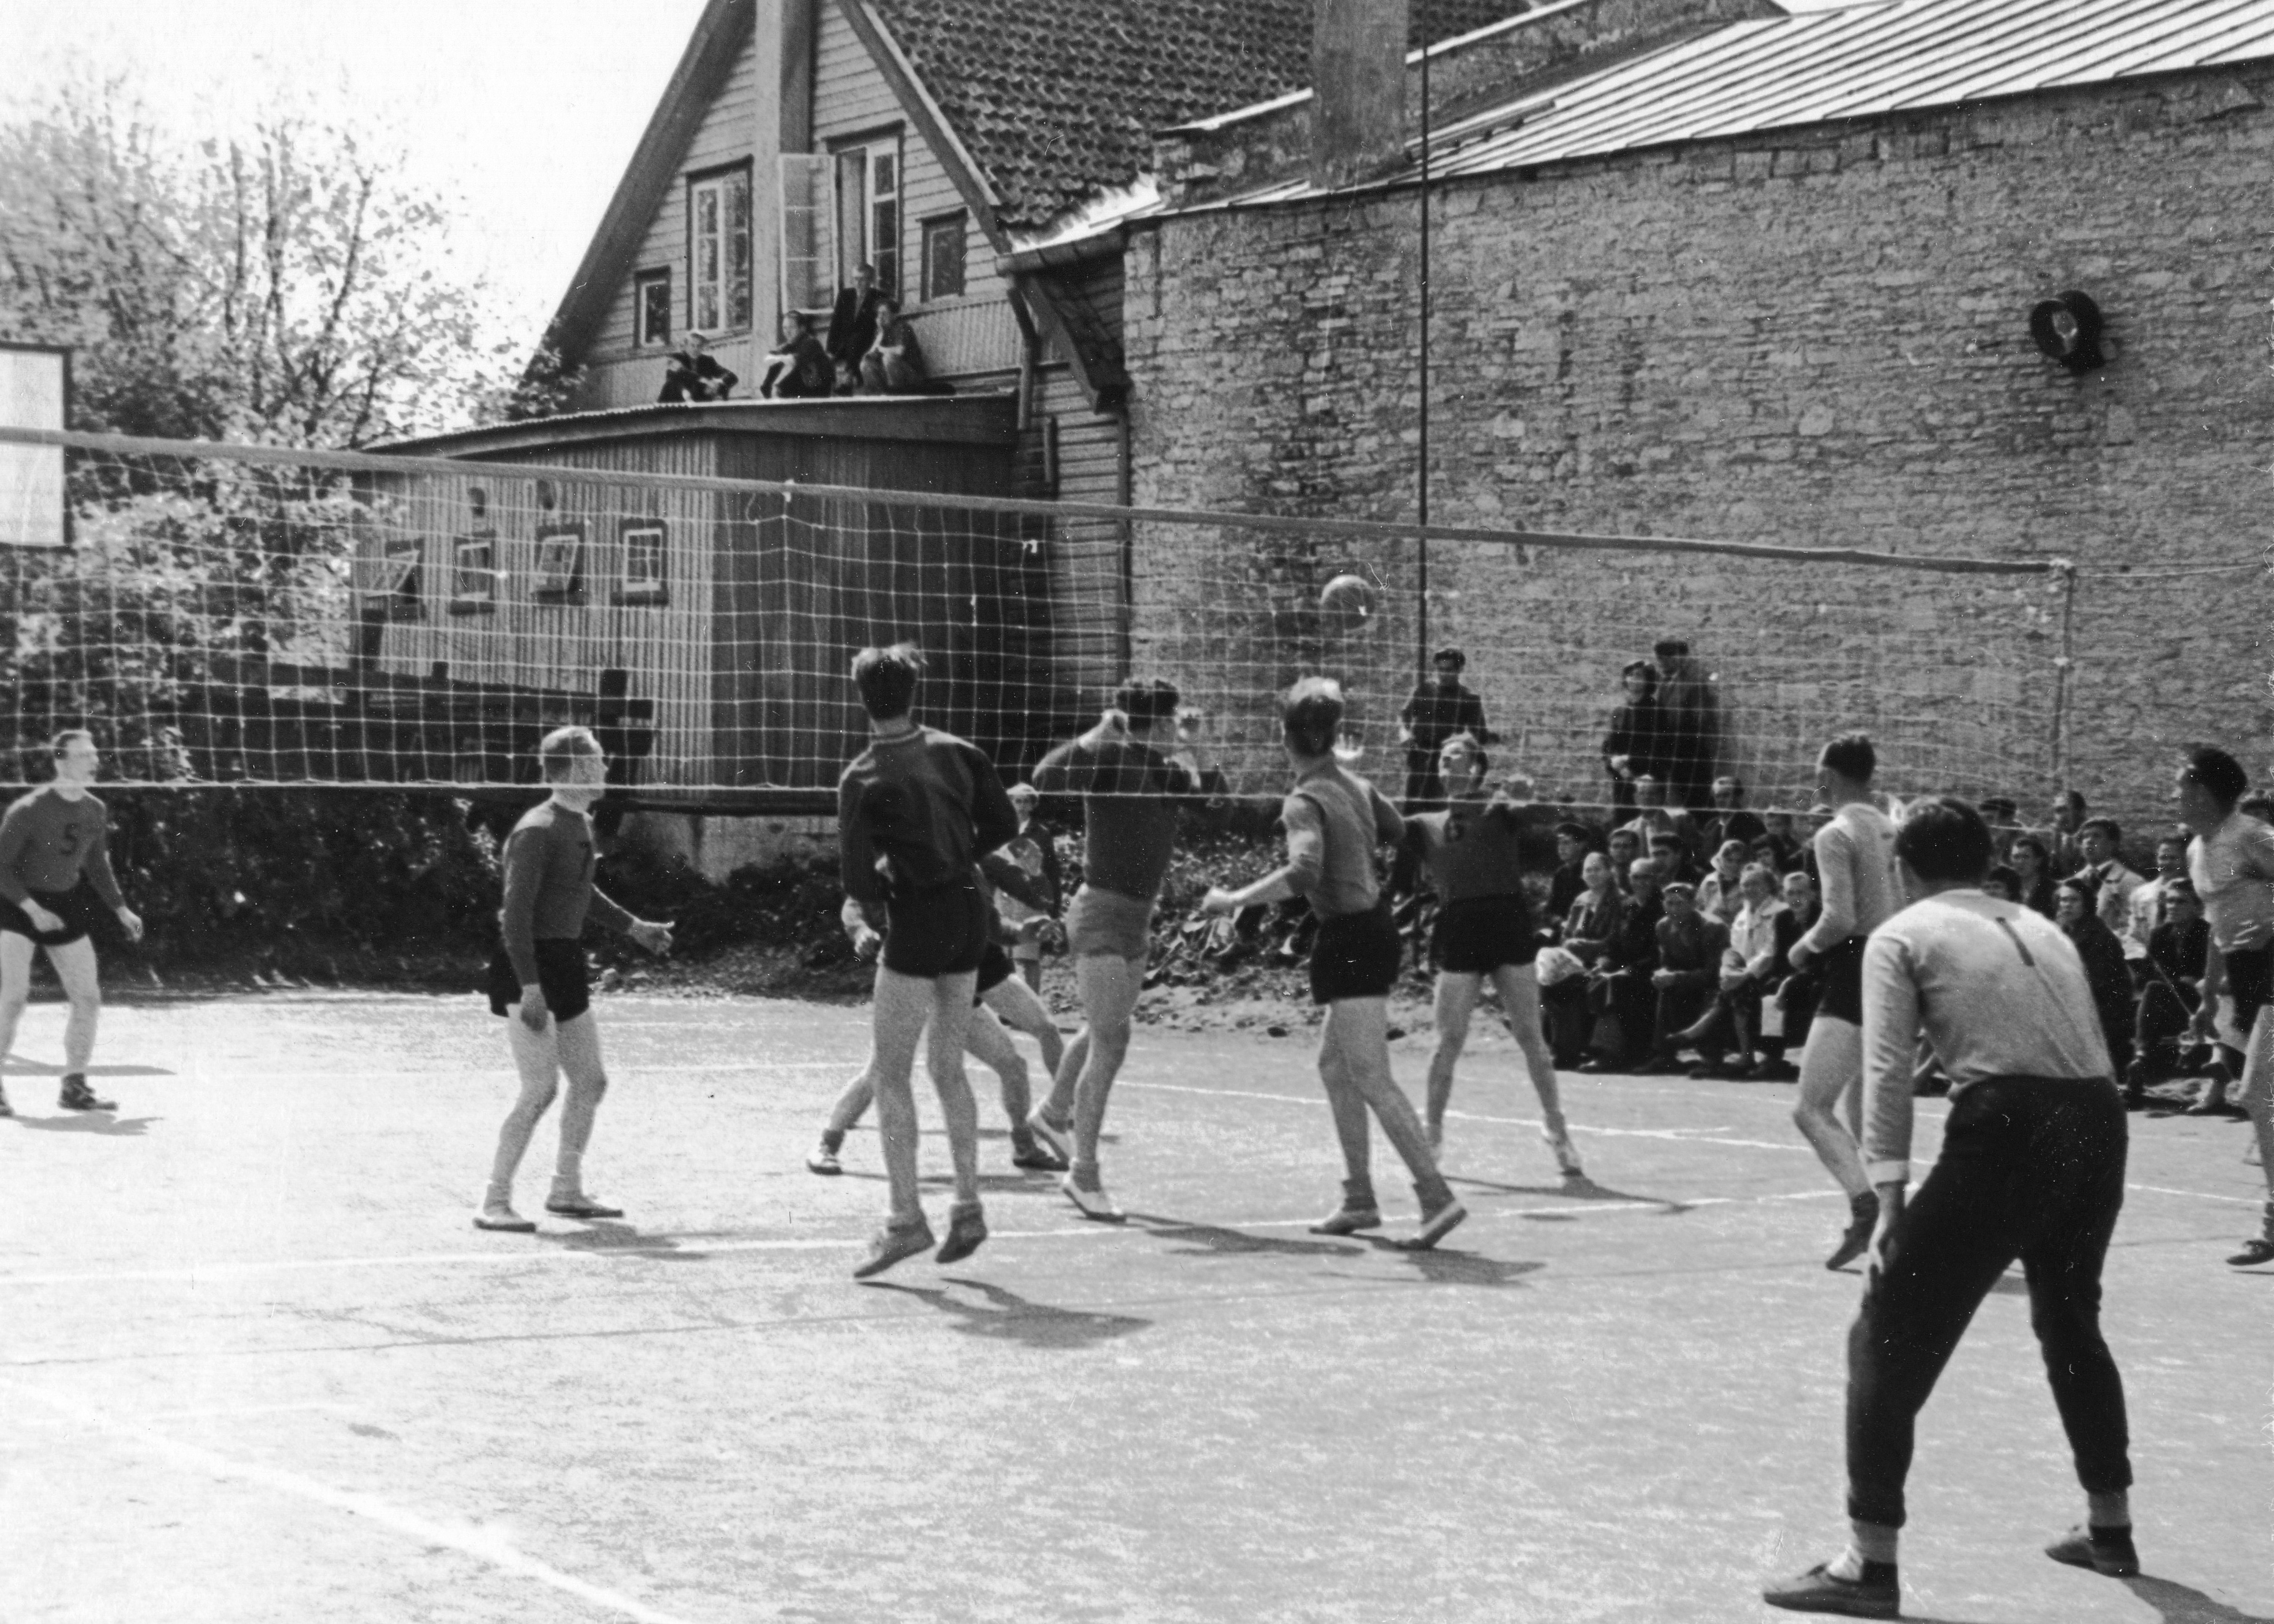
point(691, 373)
point(1439, 709)
point(853, 323)
point(2032, 1167)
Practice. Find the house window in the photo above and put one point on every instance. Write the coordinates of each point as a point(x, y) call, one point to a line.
point(869, 212)
point(560, 563)
point(393, 594)
point(642, 581)
point(719, 252)
point(652, 309)
point(942, 257)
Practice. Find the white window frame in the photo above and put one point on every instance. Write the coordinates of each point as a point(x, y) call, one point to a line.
point(718, 317)
point(960, 221)
point(852, 252)
point(809, 252)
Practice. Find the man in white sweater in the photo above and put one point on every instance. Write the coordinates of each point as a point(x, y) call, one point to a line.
point(2032, 1167)
point(1855, 864)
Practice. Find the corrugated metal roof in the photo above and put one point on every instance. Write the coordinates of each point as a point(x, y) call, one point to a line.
point(1859, 61)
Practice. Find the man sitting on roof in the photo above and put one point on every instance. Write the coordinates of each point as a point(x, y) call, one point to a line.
point(691, 373)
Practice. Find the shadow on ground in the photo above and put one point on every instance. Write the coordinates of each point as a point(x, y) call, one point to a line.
point(1006, 1316)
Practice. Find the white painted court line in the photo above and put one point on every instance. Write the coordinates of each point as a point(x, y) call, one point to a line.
point(1687, 1136)
point(489, 1544)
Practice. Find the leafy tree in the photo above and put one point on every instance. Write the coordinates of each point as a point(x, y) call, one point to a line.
point(283, 285)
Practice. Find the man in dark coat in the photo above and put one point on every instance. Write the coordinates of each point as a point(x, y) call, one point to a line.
point(1440, 709)
point(853, 323)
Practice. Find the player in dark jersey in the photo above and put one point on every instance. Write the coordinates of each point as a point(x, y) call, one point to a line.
point(51, 841)
point(920, 806)
point(1484, 929)
point(1003, 1000)
point(1131, 790)
point(537, 978)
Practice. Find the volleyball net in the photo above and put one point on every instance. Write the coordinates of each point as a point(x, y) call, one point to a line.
point(246, 615)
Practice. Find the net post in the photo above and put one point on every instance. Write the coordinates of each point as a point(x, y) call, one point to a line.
point(2064, 573)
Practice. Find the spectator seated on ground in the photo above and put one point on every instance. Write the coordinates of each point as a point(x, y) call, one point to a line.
point(1653, 817)
point(1790, 1008)
point(895, 363)
point(797, 368)
point(2100, 842)
point(1752, 962)
point(1573, 842)
point(1623, 847)
point(1621, 993)
point(1786, 851)
point(2105, 972)
point(2178, 952)
point(1593, 925)
point(2151, 902)
point(2033, 874)
point(691, 373)
point(1672, 858)
point(1730, 819)
point(1690, 948)
point(2003, 884)
point(1717, 896)
point(2003, 818)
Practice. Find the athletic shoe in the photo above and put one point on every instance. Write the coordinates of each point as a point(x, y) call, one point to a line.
point(2104, 1550)
point(822, 1159)
point(1348, 1220)
point(1863, 1216)
point(1437, 1223)
point(76, 1096)
point(1094, 1203)
point(1777, 1071)
point(580, 1206)
point(2254, 1253)
point(1060, 1140)
point(2214, 1108)
point(1567, 1158)
point(891, 1244)
point(966, 1228)
point(1034, 1156)
point(503, 1218)
point(1819, 1589)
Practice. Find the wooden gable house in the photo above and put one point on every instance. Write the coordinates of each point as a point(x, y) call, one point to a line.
point(975, 151)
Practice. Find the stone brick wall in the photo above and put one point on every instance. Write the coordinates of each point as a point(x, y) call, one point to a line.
point(1814, 338)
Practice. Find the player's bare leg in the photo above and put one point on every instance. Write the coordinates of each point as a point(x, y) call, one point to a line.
point(76, 968)
point(1833, 1064)
point(1520, 1004)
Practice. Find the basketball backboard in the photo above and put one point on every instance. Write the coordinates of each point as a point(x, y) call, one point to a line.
point(34, 383)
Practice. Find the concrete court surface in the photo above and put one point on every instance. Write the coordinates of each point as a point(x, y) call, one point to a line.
point(257, 1365)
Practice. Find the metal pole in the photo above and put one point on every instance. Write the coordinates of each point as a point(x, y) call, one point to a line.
point(1422, 504)
point(2065, 678)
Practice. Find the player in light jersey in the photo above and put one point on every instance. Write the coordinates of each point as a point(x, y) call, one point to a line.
point(50, 841)
point(537, 978)
point(1856, 867)
point(2232, 862)
point(1334, 819)
point(1484, 929)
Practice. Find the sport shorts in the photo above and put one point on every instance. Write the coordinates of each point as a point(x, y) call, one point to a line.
point(943, 930)
point(1106, 921)
point(561, 975)
point(1357, 956)
point(68, 905)
point(1478, 935)
point(994, 968)
point(2249, 982)
point(1842, 972)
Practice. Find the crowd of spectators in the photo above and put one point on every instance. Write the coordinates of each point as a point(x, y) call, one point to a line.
point(1669, 934)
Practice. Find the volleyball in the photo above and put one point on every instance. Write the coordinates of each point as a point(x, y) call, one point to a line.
point(1347, 603)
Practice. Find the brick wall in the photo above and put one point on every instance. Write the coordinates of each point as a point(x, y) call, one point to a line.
point(1817, 338)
